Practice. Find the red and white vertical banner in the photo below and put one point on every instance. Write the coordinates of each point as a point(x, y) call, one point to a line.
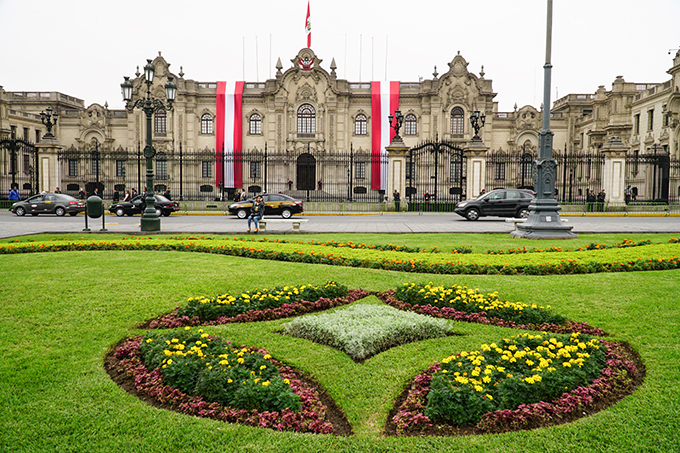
point(308, 28)
point(229, 134)
point(384, 101)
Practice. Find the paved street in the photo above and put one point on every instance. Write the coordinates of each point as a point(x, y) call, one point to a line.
point(11, 225)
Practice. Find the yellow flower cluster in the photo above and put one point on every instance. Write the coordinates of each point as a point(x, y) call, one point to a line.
point(456, 294)
point(488, 367)
point(286, 293)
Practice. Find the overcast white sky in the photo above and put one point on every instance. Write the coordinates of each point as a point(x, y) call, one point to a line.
point(83, 48)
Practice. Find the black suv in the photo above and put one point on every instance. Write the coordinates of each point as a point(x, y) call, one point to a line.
point(499, 202)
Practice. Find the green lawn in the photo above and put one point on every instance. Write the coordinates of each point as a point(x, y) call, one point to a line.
point(61, 312)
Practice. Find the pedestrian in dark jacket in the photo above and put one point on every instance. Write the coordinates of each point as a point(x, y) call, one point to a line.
point(256, 213)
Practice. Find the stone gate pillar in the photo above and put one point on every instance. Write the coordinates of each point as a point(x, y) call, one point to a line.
point(475, 153)
point(614, 174)
point(396, 174)
point(49, 172)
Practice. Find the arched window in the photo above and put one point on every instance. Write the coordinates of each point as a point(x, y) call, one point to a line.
point(255, 124)
point(457, 121)
point(206, 123)
point(410, 124)
point(160, 124)
point(306, 119)
point(360, 125)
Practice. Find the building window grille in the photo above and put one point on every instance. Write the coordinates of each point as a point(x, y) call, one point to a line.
point(206, 169)
point(360, 170)
point(456, 170)
point(650, 120)
point(255, 124)
point(410, 124)
point(206, 124)
point(73, 167)
point(306, 119)
point(161, 166)
point(500, 170)
point(360, 125)
point(457, 121)
point(410, 170)
point(160, 124)
point(120, 168)
point(255, 170)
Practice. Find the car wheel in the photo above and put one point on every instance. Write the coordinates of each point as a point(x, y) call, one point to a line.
point(523, 213)
point(472, 214)
point(241, 214)
point(73, 214)
point(130, 214)
point(166, 213)
point(286, 213)
point(120, 212)
point(159, 212)
point(60, 211)
point(20, 211)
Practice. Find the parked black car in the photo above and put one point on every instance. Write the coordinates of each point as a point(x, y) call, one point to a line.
point(498, 202)
point(138, 204)
point(49, 203)
point(274, 204)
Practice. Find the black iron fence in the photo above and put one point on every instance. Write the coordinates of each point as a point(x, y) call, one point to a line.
point(435, 171)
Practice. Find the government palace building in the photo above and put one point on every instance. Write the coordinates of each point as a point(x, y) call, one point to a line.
point(310, 134)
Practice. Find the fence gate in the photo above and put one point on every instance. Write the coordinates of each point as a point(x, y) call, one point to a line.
point(19, 167)
point(436, 171)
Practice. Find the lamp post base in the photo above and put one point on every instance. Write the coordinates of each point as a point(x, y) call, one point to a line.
point(544, 223)
point(151, 224)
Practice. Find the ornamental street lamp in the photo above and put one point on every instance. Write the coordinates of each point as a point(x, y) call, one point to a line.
point(46, 118)
point(396, 125)
point(477, 121)
point(150, 219)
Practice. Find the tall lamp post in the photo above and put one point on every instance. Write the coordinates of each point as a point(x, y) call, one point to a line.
point(150, 219)
point(544, 222)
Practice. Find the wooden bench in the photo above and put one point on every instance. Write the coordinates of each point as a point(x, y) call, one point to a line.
point(516, 221)
point(295, 222)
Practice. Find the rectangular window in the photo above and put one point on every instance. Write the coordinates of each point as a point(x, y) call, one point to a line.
point(161, 169)
point(26, 133)
point(37, 136)
point(96, 166)
point(120, 168)
point(27, 163)
point(636, 124)
point(206, 169)
point(650, 120)
point(255, 170)
point(13, 132)
point(360, 170)
point(456, 170)
point(73, 167)
point(500, 170)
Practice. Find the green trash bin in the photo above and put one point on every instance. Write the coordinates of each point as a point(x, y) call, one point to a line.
point(95, 207)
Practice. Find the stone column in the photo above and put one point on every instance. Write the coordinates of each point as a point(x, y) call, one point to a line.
point(475, 153)
point(396, 174)
point(49, 175)
point(614, 177)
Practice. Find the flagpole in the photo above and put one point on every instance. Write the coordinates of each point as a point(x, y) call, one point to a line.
point(257, 61)
point(387, 40)
point(361, 44)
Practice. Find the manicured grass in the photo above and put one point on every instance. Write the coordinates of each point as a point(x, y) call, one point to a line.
point(61, 312)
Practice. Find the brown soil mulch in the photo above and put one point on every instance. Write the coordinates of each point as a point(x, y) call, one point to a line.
point(334, 415)
point(597, 406)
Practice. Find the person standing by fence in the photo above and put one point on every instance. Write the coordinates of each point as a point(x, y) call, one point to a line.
point(590, 200)
point(397, 200)
point(628, 194)
point(600, 200)
point(14, 194)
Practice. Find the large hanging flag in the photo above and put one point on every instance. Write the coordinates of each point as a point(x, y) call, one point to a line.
point(308, 28)
point(229, 134)
point(384, 101)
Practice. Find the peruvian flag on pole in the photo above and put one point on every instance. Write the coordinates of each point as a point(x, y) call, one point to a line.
point(229, 134)
point(308, 28)
point(384, 101)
